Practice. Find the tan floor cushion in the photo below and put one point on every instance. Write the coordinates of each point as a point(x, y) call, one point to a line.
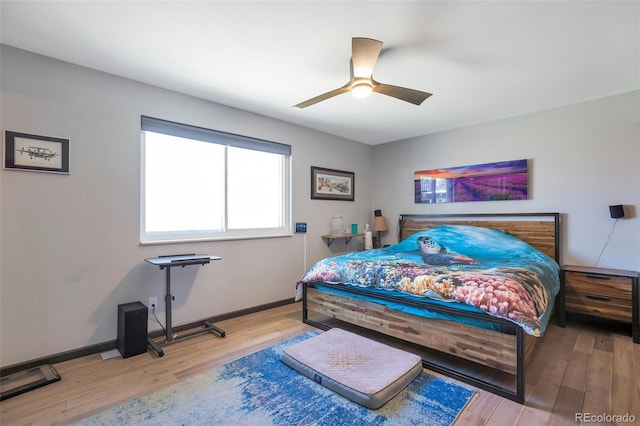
point(363, 370)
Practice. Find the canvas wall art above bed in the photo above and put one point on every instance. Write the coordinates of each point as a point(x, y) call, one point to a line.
point(458, 277)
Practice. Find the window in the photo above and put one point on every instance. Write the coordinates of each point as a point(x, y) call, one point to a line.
point(202, 184)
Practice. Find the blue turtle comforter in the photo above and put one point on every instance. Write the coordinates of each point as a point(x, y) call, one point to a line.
point(485, 268)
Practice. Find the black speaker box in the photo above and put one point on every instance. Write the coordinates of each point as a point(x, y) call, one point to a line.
point(616, 211)
point(132, 329)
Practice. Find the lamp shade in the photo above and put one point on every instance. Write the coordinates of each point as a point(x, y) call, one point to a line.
point(379, 224)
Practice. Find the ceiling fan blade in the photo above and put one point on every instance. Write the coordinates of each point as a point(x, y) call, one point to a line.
point(364, 54)
point(324, 96)
point(416, 97)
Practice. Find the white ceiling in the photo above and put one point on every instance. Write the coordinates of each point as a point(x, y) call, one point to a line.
point(481, 60)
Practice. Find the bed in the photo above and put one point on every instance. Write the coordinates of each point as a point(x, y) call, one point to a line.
point(471, 293)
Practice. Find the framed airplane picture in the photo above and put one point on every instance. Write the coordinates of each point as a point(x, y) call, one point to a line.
point(24, 151)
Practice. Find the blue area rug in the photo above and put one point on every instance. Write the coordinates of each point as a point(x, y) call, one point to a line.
point(259, 389)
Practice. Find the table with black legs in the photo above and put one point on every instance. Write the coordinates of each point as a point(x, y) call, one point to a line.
point(166, 263)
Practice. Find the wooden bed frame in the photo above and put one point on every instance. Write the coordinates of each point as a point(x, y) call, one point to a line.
point(501, 351)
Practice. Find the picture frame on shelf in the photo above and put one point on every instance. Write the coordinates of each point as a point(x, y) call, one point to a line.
point(23, 151)
point(330, 184)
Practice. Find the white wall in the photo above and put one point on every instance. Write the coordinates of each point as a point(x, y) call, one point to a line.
point(69, 244)
point(582, 159)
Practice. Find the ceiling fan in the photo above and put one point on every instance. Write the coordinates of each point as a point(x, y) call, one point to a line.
point(365, 52)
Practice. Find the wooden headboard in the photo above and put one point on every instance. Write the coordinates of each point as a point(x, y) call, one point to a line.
point(539, 230)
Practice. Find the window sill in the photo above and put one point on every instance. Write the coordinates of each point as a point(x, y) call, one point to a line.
point(211, 239)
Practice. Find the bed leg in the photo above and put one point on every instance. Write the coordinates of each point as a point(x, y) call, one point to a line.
point(560, 302)
point(305, 315)
point(520, 368)
point(304, 302)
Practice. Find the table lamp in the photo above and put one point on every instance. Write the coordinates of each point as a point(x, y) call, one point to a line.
point(379, 225)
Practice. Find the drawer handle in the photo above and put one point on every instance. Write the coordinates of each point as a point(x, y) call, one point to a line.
point(597, 276)
point(596, 297)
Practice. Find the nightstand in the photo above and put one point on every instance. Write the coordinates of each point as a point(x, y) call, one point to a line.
point(600, 292)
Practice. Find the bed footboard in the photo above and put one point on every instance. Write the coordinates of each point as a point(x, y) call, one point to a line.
point(500, 351)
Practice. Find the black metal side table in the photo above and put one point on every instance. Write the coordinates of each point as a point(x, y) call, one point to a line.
point(166, 263)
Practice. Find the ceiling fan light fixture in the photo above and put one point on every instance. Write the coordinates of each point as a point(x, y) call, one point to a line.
point(361, 90)
point(364, 54)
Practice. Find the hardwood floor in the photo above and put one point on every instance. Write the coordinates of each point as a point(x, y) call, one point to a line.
point(582, 368)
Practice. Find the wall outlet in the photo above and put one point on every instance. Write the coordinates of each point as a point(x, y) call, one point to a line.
point(153, 301)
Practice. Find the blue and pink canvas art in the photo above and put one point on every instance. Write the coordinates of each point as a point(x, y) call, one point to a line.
point(505, 180)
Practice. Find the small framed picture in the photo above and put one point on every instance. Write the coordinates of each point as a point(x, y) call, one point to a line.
point(329, 184)
point(23, 151)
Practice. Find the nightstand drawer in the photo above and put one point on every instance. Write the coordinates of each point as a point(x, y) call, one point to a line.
point(602, 306)
point(598, 284)
point(599, 294)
